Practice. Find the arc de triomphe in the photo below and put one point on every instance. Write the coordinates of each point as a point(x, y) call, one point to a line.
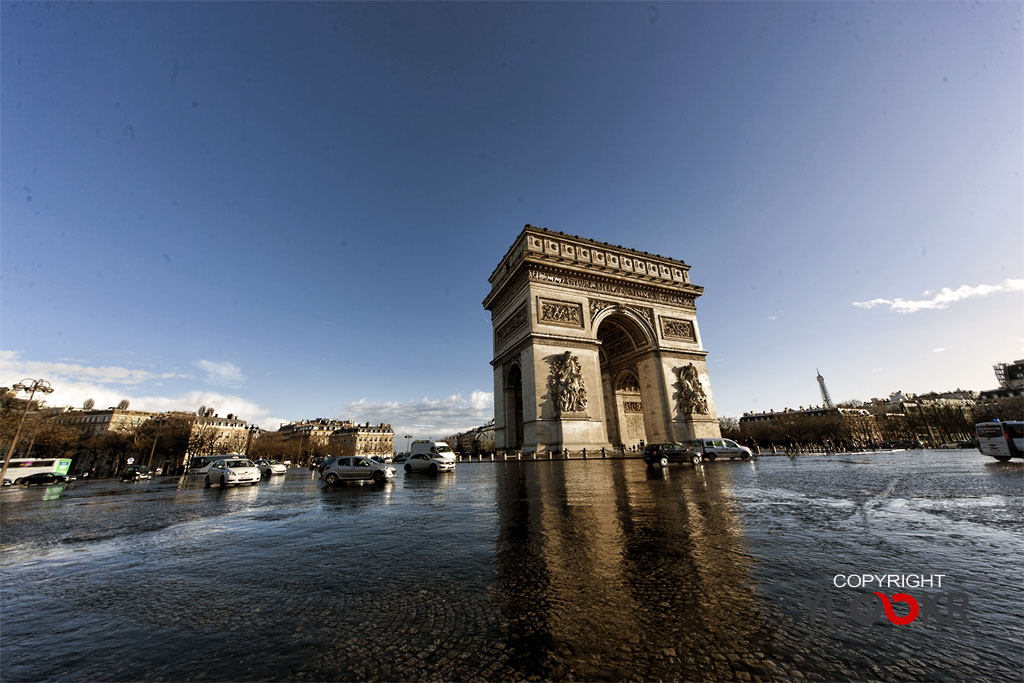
point(595, 346)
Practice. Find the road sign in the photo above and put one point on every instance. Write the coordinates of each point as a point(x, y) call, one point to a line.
point(131, 460)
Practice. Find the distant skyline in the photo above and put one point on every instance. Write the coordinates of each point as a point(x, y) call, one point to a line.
point(290, 210)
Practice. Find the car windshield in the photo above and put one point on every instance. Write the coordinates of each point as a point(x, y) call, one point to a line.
point(239, 463)
point(275, 462)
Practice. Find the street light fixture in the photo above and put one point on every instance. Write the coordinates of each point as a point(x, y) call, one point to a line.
point(30, 386)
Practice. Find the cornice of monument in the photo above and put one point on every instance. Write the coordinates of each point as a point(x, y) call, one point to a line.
point(597, 261)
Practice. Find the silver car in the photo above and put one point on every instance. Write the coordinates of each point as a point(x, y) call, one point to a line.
point(355, 468)
point(721, 448)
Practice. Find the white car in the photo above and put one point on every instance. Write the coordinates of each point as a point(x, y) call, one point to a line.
point(430, 462)
point(232, 472)
point(271, 467)
point(355, 468)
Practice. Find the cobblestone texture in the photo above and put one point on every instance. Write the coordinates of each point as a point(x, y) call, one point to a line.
point(580, 570)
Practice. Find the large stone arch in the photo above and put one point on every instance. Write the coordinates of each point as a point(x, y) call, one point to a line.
point(575, 317)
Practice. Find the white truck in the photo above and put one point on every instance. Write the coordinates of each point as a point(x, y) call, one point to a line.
point(431, 456)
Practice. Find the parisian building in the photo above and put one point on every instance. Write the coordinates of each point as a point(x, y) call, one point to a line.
point(364, 439)
point(317, 431)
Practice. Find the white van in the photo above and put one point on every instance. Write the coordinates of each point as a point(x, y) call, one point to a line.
point(433, 456)
point(1001, 440)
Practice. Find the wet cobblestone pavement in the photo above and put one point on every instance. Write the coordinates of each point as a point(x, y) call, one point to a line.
point(579, 570)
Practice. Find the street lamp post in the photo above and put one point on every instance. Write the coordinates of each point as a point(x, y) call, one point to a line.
point(31, 386)
point(248, 438)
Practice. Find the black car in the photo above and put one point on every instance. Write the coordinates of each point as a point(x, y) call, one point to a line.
point(43, 479)
point(136, 473)
point(664, 453)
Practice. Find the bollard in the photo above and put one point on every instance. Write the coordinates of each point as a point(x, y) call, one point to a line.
point(603, 454)
point(584, 453)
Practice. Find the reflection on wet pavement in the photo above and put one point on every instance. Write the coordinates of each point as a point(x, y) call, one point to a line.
point(556, 570)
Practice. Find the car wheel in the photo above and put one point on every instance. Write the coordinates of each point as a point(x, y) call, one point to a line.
point(663, 462)
point(408, 469)
point(331, 478)
point(17, 481)
point(710, 457)
point(745, 456)
point(223, 482)
point(433, 469)
point(696, 459)
point(207, 482)
point(379, 477)
point(1000, 458)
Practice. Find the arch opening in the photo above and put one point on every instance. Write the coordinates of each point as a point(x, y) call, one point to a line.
point(620, 338)
point(514, 407)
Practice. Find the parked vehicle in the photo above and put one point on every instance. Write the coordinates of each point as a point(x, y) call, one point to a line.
point(340, 469)
point(233, 472)
point(136, 473)
point(270, 468)
point(1001, 440)
point(662, 454)
point(712, 448)
point(401, 458)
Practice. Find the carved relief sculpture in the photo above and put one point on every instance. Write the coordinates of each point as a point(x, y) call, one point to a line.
point(645, 313)
point(507, 329)
point(692, 399)
point(672, 328)
point(561, 313)
point(598, 305)
point(565, 384)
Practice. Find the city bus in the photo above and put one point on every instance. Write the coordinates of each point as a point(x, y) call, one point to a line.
point(1001, 440)
point(19, 468)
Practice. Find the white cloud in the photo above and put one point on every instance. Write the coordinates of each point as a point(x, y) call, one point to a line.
point(938, 350)
point(426, 418)
point(108, 385)
point(944, 298)
point(221, 373)
point(13, 368)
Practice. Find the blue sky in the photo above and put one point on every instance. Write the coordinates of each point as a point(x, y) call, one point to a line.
point(291, 210)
